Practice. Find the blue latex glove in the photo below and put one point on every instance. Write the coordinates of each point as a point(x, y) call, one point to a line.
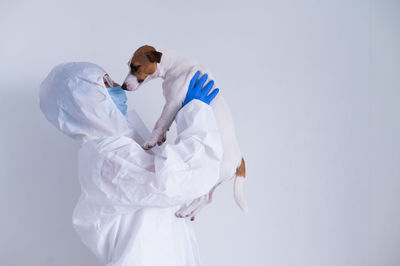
point(118, 96)
point(196, 90)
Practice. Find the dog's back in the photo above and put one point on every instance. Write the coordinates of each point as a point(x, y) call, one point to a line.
point(175, 87)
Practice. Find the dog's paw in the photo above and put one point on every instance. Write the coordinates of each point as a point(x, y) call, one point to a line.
point(158, 137)
point(149, 144)
point(193, 208)
point(162, 138)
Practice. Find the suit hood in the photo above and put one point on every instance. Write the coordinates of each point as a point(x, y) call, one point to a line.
point(73, 97)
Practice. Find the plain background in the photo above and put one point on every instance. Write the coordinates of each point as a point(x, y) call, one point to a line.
point(314, 87)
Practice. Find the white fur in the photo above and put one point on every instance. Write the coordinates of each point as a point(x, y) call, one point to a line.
point(177, 72)
point(131, 82)
point(239, 197)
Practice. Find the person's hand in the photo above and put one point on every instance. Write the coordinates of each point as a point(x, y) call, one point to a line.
point(196, 90)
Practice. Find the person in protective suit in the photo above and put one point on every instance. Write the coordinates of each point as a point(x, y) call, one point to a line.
point(125, 214)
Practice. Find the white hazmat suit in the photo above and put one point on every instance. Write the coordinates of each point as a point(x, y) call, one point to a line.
point(125, 214)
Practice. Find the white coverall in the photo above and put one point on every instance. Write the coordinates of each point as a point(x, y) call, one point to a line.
point(125, 214)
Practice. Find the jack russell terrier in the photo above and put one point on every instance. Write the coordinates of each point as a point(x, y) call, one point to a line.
point(146, 64)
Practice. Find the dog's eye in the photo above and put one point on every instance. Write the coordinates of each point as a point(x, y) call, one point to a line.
point(134, 68)
point(140, 80)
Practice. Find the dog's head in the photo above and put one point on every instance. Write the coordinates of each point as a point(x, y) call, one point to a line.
point(142, 65)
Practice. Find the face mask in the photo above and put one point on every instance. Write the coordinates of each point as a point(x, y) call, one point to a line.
point(119, 97)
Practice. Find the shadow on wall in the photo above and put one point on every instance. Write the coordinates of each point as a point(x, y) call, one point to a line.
point(39, 187)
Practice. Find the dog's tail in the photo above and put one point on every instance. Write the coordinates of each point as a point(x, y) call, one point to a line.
point(238, 186)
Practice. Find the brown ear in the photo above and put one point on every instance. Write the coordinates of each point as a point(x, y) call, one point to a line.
point(154, 56)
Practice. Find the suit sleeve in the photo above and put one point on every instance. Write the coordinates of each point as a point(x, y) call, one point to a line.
point(182, 171)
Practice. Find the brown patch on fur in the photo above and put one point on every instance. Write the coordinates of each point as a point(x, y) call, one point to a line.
point(144, 61)
point(241, 170)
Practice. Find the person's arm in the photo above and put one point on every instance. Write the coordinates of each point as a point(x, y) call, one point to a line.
point(190, 168)
point(182, 171)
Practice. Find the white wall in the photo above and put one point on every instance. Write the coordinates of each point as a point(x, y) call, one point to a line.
point(315, 91)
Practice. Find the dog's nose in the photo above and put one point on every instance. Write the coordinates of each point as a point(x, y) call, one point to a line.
point(123, 86)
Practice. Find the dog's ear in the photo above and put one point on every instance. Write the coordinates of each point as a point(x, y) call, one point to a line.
point(154, 56)
point(108, 81)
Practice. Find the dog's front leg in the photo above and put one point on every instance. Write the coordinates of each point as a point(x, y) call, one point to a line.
point(158, 135)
